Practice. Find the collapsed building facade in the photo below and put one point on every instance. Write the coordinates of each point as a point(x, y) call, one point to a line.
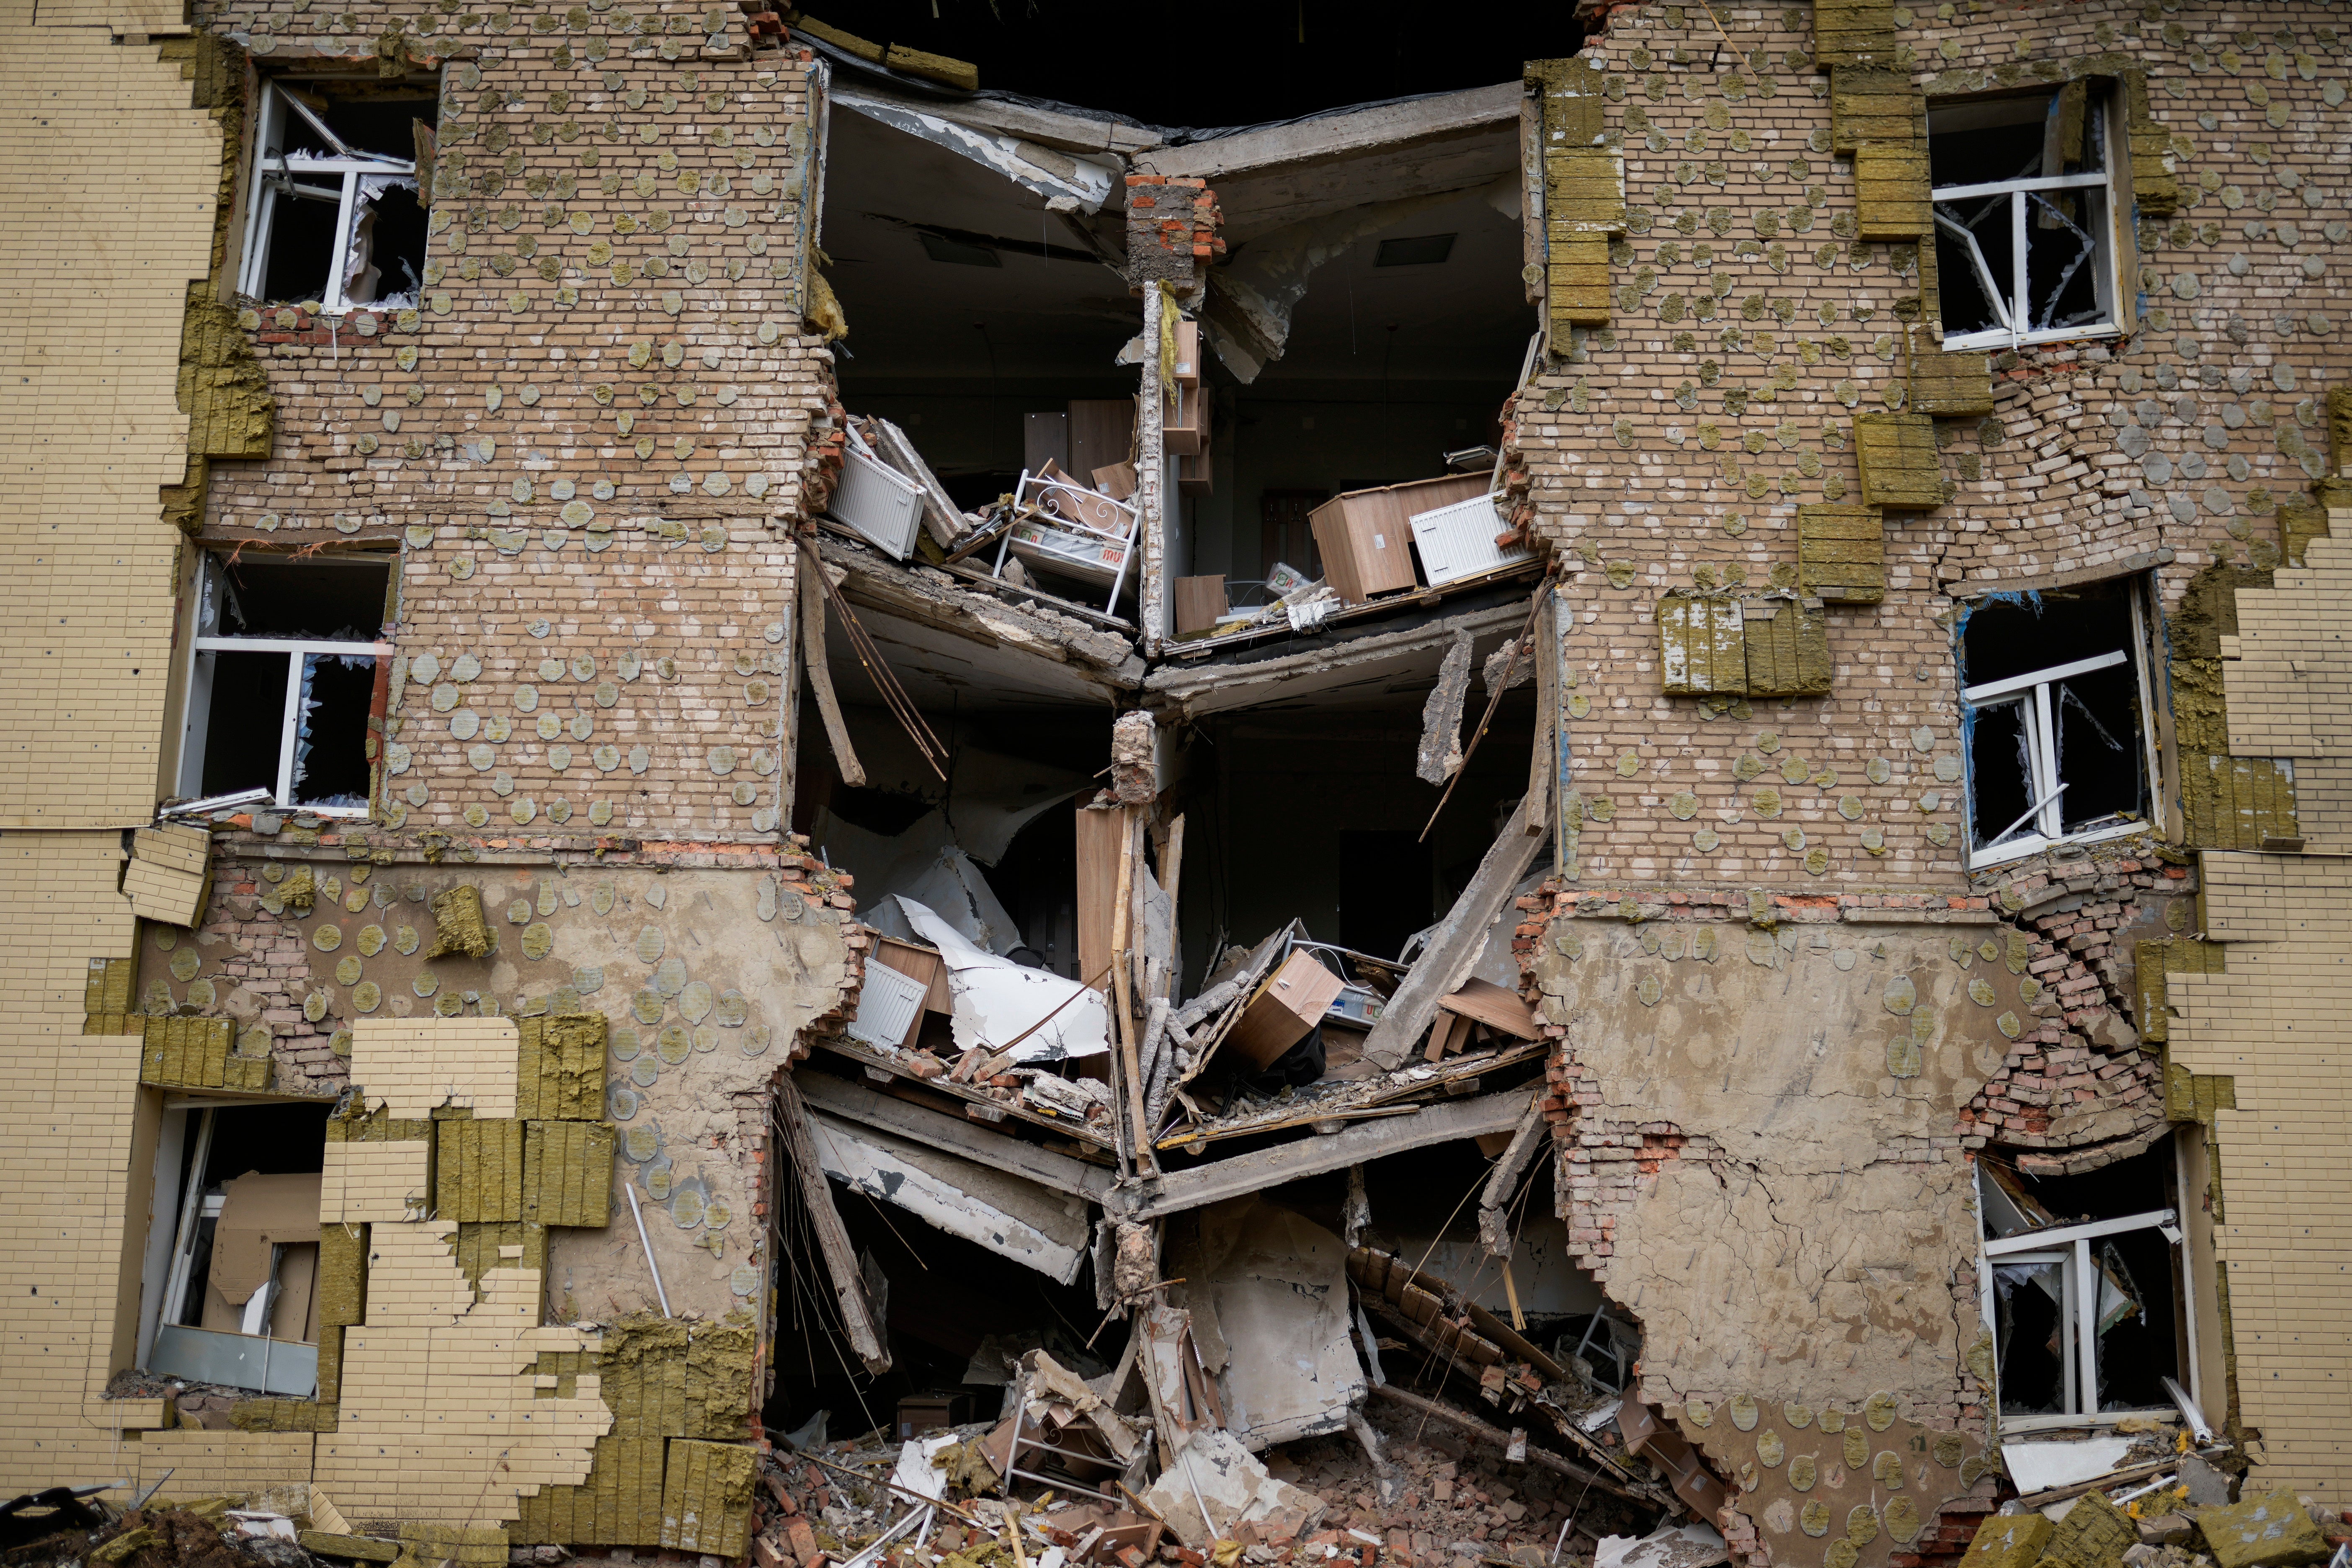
point(683, 802)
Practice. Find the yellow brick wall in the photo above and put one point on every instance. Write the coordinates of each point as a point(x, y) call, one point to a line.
point(414, 1065)
point(97, 253)
point(2279, 1024)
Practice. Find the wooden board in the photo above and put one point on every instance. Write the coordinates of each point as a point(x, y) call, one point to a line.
point(1365, 536)
point(1199, 602)
point(1102, 432)
point(1102, 839)
point(1292, 1001)
point(1494, 1006)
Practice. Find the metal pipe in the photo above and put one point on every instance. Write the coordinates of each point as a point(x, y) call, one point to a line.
point(651, 1267)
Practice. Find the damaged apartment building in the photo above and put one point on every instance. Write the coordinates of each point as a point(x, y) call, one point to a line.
point(770, 802)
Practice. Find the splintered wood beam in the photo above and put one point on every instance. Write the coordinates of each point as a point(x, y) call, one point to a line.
point(820, 672)
point(832, 1236)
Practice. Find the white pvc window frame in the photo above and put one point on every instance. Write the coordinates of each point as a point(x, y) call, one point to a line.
point(2044, 827)
point(2070, 1246)
point(2012, 298)
point(335, 179)
point(199, 680)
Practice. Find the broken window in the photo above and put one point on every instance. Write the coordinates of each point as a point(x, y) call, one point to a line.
point(230, 1290)
point(336, 214)
point(2055, 699)
point(283, 677)
point(2024, 251)
point(2084, 1287)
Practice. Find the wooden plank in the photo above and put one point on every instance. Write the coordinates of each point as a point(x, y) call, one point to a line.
point(820, 668)
point(976, 1103)
point(1494, 1006)
point(941, 517)
point(1102, 839)
point(1452, 950)
point(1534, 811)
point(833, 1237)
point(1013, 1156)
point(1203, 1184)
point(1447, 1415)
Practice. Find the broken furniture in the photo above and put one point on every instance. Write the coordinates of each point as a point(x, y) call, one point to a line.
point(1366, 536)
point(258, 1323)
point(1070, 530)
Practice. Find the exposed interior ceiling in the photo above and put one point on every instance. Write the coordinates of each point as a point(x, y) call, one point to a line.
point(946, 670)
point(1219, 62)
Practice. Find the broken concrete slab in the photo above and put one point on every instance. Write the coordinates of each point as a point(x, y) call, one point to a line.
point(1057, 1173)
point(1044, 1230)
point(1452, 950)
point(1372, 661)
point(1692, 1545)
point(1214, 1472)
point(1440, 757)
point(1273, 1284)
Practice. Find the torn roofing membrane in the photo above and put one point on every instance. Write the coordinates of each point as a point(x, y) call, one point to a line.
point(1067, 183)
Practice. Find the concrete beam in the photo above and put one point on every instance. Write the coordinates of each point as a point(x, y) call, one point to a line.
point(1312, 1156)
point(998, 1150)
point(1336, 134)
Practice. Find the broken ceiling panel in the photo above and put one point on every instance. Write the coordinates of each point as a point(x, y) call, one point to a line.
point(926, 865)
point(1068, 184)
point(1014, 1219)
point(1033, 1013)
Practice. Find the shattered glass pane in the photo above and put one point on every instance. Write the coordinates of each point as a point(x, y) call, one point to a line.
point(2030, 1333)
point(2062, 249)
point(1998, 768)
point(331, 764)
point(2098, 723)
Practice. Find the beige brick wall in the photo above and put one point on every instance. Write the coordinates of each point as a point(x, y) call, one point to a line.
point(414, 1065)
point(2275, 1024)
point(89, 425)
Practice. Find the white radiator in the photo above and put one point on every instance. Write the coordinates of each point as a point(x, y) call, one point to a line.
point(1458, 541)
point(878, 501)
point(887, 1007)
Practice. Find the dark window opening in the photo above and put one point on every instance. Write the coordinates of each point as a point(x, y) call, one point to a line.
point(1983, 154)
point(337, 215)
point(2053, 716)
point(1420, 250)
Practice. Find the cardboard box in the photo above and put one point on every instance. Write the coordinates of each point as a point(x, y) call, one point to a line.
point(1199, 602)
point(1117, 480)
point(1188, 352)
point(921, 1413)
point(1366, 536)
point(1292, 1001)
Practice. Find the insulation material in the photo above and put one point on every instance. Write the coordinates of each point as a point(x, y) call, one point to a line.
point(458, 924)
point(1068, 184)
point(1014, 1219)
point(1274, 1283)
point(1215, 1471)
point(198, 1053)
point(707, 1498)
point(568, 1172)
point(1037, 1015)
point(1841, 553)
point(170, 874)
point(502, 1244)
point(343, 1274)
point(1703, 644)
point(666, 1377)
point(478, 1170)
point(1871, 105)
point(926, 866)
point(106, 997)
point(1891, 192)
point(1787, 646)
point(620, 1504)
point(1853, 33)
point(559, 1067)
point(1897, 454)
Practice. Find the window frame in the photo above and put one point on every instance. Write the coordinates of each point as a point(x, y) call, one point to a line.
point(2072, 1245)
point(197, 706)
point(2104, 228)
point(261, 212)
point(2033, 690)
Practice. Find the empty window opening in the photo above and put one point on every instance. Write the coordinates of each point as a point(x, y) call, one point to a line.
point(2086, 1290)
point(1418, 250)
point(336, 212)
point(283, 678)
point(231, 1280)
point(2025, 242)
point(2056, 714)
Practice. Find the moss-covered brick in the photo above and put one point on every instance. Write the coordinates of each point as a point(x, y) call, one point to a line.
point(2008, 1540)
point(559, 1067)
point(343, 1274)
point(707, 1498)
point(1897, 454)
point(477, 1168)
point(1787, 643)
point(479, 1247)
point(1890, 189)
point(1867, 104)
point(458, 927)
point(568, 1172)
point(1853, 33)
point(1703, 644)
point(1841, 553)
